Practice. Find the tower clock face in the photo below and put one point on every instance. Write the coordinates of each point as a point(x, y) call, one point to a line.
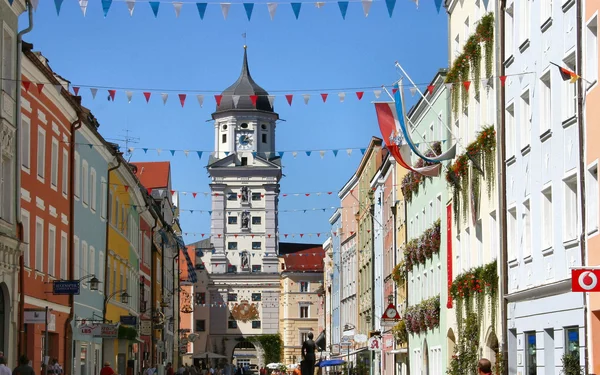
point(245, 140)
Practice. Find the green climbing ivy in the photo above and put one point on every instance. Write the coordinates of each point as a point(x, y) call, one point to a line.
point(271, 345)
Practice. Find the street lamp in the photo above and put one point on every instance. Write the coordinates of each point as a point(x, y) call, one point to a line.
point(124, 297)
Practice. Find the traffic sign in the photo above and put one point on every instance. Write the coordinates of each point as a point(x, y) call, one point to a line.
point(66, 287)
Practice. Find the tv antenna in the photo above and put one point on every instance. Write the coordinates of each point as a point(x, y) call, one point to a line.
point(128, 140)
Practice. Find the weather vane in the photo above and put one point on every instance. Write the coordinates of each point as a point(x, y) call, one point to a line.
point(244, 36)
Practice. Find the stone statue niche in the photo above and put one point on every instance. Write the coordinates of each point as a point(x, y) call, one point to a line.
point(244, 194)
point(245, 260)
point(246, 220)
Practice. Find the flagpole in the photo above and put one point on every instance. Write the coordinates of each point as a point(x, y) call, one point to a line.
point(424, 98)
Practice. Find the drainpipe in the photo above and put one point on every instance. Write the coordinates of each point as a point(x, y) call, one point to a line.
point(582, 174)
point(153, 294)
point(500, 21)
point(108, 220)
point(176, 308)
point(71, 266)
point(19, 224)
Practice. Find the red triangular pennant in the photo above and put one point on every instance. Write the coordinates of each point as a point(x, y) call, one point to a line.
point(202, 234)
point(301, 235)
point(467, 84)
point(318, 234)
point(76, 90)
point(40, 87)
point(147, 96)
point(172, 192)
point(126, 188)
point(307, 194)
point(285, 235)
point(194, 194)
point(254, 98)
point(502, 80)
point(112, 93)
point(219, 235)
point(218, 99)
point(149, 190)
point(359, 94)
point(324, 96)
point(394, 90)
point(235, 235)
point(26, 84)
point(430, 89)
point(289, 98)
point(182, 99)
point(268, 235)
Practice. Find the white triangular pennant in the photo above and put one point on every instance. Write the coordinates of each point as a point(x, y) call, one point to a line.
point(322, 153)
point(130, 6)
point(377, 93)
point(58, 88)
point(200, 99)
point(413, 91)
point(484, 82)
point(158, 151)
point(271, 100)
point(367, 6)
point(268, 154)
point(164, 97)
point(319, 5)
point(306, 98)
point(83, 5)
point(294, 154)
point(236, 100)
point(225, 9)
point(448, 86)
point(129, 96)
point(272, 8)
point(342, 96)
point(177, 6)
point(34, 4)
point(94, 91)
point(186, 152)
point(349, 151)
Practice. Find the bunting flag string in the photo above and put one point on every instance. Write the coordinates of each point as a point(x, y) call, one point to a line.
point(303, 210)
point(201, 7)
point(132, 94)
point(268, 155)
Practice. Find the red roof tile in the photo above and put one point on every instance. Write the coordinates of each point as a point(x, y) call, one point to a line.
point(309, 258)
point(154, 174)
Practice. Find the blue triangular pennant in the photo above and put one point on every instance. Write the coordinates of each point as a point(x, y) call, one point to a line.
point(249, 7)
point(58, 4)
point(134, 206)
point(391, 4)
point(201, 9)
point(91, 145)
point(308, 153)
point(199, 154)
point(281, 154)
point(172, 152)
point(485, 4)
point(254, 154)
point(145, 150)
point(10, 2)
point(210, 212)
point(154, 5)
point(362, 150)
point(296, 8)
point(226, 153)
point(191, 211)
point(106, 6)
point(343, 8)
point(335, 152)
point(438, 5)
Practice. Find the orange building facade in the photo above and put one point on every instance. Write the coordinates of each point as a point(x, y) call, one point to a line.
point(47, 114)
point(591, 93)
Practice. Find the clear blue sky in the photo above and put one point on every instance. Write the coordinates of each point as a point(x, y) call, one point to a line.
point(319, 51)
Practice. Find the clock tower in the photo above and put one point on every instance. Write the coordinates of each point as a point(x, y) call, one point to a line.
point(245, 172)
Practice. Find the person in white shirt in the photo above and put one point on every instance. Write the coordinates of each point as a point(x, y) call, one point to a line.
point(3, 369)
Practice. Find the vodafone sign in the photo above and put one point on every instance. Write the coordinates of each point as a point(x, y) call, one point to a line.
point(585, 280)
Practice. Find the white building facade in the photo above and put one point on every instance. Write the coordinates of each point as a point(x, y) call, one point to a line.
point(543, 200)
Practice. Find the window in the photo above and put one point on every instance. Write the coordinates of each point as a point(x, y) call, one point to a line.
point(545, 10)
point(77, 175)
point(103, 191)
point(569, 104)
point(232, 324)
point(256, 220)
point(231, 297)
point(25, 142)
point(530, 354)
point(231, 268)
point(76, 253)
point(256, 297)
point(304, 312)
point(457, 45)
point(256, 245)
point(244, 161)
point(8, 62)
point(526, 245)
point(592, 199)
point(547, 218)
point(158, 272)
point(545, 103)
point(83, 265)
point(570, 223)
point(26, 220)
point(92, 259)
point(572, 340)
point(591, 50)
point(86, 182)
point(64, 245)
point(231, 197)
point(256, 324)
point(509, 43)
point(223, 138)
point(41, 154)
point(100, 275)
point(94, 189)
point(65, 172)
point(525, 21)
point(304, 286)
point(256, 268)
point(232, 220)
point(200, 325)
point(438, 207)
point(303, 336)
point(525, 120)
point(39, 244)
point(510, 131)
point(512, 233)
point(264, 138)
point(256, 196)
point(493, 235)
point(54, 163)
point(232, 245)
